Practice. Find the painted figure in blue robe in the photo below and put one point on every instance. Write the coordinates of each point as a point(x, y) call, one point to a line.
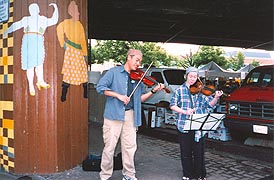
point(32, 49)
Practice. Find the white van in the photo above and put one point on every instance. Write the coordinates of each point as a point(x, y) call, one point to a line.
point(172, 78)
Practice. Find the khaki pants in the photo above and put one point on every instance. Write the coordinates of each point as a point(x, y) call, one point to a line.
point(112, 130)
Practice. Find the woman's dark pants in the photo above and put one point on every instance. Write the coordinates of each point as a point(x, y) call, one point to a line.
point(192, 155)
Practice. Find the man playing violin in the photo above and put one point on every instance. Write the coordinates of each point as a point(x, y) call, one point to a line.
point(122, 114)
point(192, 143)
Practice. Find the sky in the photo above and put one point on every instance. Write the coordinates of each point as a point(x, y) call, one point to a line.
point(178, 49)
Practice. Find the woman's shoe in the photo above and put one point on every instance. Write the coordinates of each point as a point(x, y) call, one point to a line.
point(32, 93)
point(42, 85)
point(185, 178)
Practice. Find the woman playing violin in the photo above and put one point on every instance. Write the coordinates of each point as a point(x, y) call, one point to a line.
point(122, 114)
point(192, 143)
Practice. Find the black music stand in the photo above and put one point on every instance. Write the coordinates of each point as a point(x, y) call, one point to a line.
point(204, 122)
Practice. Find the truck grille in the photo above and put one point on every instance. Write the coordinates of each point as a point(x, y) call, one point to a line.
point(255, 110)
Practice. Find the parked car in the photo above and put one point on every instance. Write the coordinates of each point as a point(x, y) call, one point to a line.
point(170, 77)
point(250, 109)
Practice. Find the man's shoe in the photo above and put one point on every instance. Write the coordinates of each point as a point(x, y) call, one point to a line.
point(128, 178)
point(185, 178)
point(103, 179)
point(201, 179)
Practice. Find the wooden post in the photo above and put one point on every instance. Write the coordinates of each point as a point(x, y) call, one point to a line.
point(38, 132)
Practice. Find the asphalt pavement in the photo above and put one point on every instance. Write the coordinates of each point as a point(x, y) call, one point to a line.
point(158, 158)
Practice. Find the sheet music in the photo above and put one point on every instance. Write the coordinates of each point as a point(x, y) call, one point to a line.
point(207, 122)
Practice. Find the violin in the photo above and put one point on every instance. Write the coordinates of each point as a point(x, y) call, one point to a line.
point(199, 87)
point(147, 80)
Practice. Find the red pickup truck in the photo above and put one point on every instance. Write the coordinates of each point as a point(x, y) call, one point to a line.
point(250, 109)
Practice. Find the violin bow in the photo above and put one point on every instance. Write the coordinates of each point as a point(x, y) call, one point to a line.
point(140, 80)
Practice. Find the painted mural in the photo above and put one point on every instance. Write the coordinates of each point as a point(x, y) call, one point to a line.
point(7, 154)
point(32, 49)
point(72, 38)
point(30, 70)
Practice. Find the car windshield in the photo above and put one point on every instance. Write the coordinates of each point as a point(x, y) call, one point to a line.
point(261, 78)
point(174, 77)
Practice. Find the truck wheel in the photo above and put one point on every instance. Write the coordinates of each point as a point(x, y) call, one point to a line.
point(238, 136)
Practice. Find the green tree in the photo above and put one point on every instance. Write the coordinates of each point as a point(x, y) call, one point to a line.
point(255, 63)
point(207, 54)
point(91, 55)
point(155, 54)
point(116, 50)
point(187, 60)
point(235, 63)
point(112, 50)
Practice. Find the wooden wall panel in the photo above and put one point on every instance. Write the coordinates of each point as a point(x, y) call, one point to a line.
point(6, 98)
point(50, 135)
point(73, 119)
point(73, 116)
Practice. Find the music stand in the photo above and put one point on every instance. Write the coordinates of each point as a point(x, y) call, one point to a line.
point(205, 122)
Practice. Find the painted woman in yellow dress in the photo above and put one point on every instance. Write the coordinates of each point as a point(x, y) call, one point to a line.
point(71, 36)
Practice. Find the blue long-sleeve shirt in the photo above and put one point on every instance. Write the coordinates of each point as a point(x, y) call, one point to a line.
point(116, 79)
